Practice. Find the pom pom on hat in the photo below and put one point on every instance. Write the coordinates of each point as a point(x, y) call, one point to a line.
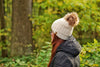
point(72, 18)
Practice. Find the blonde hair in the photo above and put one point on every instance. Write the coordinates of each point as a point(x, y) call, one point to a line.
point(72, 18)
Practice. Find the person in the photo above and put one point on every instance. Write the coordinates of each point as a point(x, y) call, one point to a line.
point(65, 48)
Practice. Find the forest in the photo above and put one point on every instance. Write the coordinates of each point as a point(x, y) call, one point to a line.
point(25, 26)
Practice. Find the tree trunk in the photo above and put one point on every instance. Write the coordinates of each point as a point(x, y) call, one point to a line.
point(3, 25)
point(21, 43)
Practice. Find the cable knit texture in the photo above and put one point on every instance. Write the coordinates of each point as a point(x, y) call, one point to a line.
point(62, 28)
point(65, 25)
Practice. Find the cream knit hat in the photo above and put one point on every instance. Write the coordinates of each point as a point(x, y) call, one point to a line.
point(62, 26)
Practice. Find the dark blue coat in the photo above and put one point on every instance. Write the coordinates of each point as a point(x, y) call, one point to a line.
point(67, 54)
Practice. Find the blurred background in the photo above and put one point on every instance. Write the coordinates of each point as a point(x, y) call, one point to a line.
point(25, 27)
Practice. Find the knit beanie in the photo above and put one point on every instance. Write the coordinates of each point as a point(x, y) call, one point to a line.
point(64, 26)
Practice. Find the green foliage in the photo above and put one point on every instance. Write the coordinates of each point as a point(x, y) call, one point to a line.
point(90, 55)
point(37, 59)
point(7, 31)
point(45, 12)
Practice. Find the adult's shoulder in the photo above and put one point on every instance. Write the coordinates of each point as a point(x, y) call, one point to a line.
point(62, 60)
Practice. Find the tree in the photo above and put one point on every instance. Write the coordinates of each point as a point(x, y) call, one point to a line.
point(3, 25)
point(21, 42)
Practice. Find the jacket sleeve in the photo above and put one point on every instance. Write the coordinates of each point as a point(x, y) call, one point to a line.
point(62, 61)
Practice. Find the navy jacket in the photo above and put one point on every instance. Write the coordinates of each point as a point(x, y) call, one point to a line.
point(67, 54)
